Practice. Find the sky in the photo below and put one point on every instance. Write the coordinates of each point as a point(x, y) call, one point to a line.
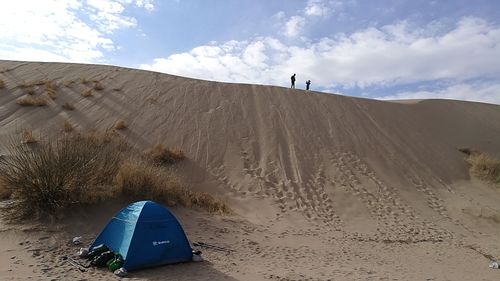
point(390, 49)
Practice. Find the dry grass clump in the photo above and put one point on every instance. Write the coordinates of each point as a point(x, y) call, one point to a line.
point(27, 137)
point(467, 150)
point(141, 180)
point(52, 95)
point(68, 127)
point(25, 84)
point(160, 154)
point(81, 169)
point(5, 191)
point(485, 167)
point(120, 125)
point(98, 86)
point(86, 81)
point(40, 82)
point(119, 143)
point(68, 106)
point(30, 91)
point(68, 83)
point(31, 101)
point(50, 88)
point(2, 84)
point(87, 93)
point(55, 175)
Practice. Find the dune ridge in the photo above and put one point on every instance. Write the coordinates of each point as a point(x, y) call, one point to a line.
point(295, 164)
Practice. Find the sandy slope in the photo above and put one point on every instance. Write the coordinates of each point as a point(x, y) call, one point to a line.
point(324, 186)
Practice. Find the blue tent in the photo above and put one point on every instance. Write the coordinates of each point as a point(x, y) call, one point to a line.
point(146, 234)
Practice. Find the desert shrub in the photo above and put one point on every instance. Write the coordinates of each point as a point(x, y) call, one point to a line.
point(5, 191)
point(68, 106)
point(40, 82)
point(138, 178)
point(50, 88)
point(119, 143)
point(30, 91)
point(27, 137)
point(25, 84)
point(31, 101)
point(56, 174)
point(49, 85)
point(86, 81)
point(68, 83)
point(467, 150)
point(485, 167)
point(141, 180)
point(160, 154)
point(208, 202)
point(52, 95)
point(80, 169)
point(120, 125)
point(68, 127)
point(2, 84)
point(87, 93)
point(98, 86)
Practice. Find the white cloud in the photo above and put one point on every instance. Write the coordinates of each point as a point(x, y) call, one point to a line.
point(29, 54)
point(318, 8)
point(147, 4)
point(391, 55)
point(279, 16)
point(481, 92)
point(61, 30)
point(232, 61)
point(108, 15)
point(294, 26)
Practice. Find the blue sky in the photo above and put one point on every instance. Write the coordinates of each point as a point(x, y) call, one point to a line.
point(376, 49)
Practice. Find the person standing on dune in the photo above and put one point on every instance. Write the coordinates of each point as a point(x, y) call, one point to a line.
point(308, 83)
point(293, 81)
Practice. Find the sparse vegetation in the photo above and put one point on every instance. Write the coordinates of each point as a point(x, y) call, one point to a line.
point(25, 84)
point(5, 192)
point(40, 82)
point(98, 86)
point(2, 84)
point(86, 81)
point(31, 101)
point(52, 95)
point(68, 83)
point(120, 125)
point(30, 91)
point(68, 106)
point(55, 175)
point(87, 93)
point(77, 169)
point(467, 150)
point(160, 154)
point(28, 137)
point(485, 167)
point(68, 127)
point(50, 88)
point(141, 180)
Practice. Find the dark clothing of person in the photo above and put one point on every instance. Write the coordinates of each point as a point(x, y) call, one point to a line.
point(293, 81)
point(308, 82)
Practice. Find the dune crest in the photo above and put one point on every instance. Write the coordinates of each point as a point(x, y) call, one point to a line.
point(325, 170)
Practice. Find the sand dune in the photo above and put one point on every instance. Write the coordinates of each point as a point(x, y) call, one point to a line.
point(323, 186)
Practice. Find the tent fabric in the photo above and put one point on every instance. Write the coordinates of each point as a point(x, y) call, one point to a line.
point(146, 234)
